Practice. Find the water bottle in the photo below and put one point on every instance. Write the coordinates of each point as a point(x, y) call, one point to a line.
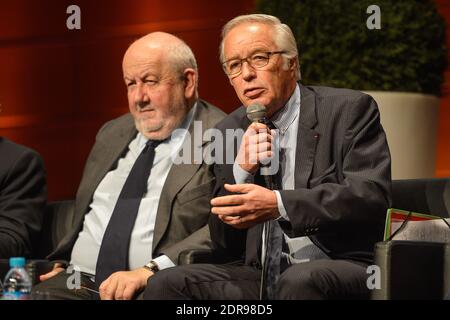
point(17, 284)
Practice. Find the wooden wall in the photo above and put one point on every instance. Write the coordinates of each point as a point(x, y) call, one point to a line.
point(58, 86)
point(443, 155)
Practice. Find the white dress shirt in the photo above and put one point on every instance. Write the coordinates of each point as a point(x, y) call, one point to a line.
point(87, 246)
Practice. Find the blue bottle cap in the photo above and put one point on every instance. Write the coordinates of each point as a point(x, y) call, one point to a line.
point(17, 262)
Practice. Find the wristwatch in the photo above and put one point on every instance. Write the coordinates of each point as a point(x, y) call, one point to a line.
point(152, 266)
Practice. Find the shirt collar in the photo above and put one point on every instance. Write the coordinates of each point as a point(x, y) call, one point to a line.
point(287, 115)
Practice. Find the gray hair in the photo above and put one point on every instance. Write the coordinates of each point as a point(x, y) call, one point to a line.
point(284, 38)
point(182, 57)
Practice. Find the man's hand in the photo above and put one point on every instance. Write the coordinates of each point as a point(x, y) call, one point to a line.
point(123, 285)
point(256, 147)
point(252, 206)
point(57, 268)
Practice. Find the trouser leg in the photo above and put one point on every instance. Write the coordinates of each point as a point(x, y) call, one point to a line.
point(324, 279)
point(204, 281)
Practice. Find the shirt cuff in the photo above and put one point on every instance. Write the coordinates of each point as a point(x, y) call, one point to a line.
point(240, 175)
point(281, 209)
point(163, 262)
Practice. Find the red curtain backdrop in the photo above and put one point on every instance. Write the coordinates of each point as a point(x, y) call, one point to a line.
point(58, 86)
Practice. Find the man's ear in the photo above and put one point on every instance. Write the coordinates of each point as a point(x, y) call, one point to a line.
point(293, 64)
point(190, 83)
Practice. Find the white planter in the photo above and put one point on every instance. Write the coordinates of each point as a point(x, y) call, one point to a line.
point(410, 121)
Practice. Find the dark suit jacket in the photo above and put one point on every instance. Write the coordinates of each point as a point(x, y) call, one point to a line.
point(23, 193)
point(342, 178)
point(183, 210)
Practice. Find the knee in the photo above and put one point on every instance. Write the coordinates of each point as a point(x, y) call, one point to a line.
point(306, 285)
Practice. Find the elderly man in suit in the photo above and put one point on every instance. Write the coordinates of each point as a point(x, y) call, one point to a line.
point(131, 172)
point(23, 193)
point(311, 236)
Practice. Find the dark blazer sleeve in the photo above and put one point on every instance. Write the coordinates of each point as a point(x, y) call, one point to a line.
point(355, 194)
point(23, 195)
point(226, 239)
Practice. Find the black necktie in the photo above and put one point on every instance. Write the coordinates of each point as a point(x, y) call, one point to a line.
point(113, 255)
point(272, 259)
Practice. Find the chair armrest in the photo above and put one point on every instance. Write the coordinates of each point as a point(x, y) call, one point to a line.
point(412, 270)
point(62, 213)
point(203, 256)
point(57, 222)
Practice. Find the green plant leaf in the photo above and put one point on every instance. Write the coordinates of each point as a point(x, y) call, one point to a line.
point(337, 49)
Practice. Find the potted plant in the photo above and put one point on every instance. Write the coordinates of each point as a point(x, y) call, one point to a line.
point(401, 65)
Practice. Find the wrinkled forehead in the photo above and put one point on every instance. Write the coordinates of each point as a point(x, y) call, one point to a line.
point(142, 61)
point(247, 38)
point(137, 67)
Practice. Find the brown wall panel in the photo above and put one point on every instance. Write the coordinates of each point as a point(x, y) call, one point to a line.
point(443, 155)
point(31, 81)
point(57, 87)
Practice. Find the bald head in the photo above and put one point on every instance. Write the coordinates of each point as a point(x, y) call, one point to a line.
point(161, 48)
point(157, 39)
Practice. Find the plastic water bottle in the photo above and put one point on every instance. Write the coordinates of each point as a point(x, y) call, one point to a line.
point(17, 284)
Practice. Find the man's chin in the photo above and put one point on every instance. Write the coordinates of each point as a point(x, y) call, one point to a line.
point(155, 132)
point(155, 135)
point(255, 101)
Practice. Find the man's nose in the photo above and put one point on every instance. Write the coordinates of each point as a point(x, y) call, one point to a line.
point(248, 72)
point(141, 94)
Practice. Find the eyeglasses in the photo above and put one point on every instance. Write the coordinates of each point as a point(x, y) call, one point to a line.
point(257, 60)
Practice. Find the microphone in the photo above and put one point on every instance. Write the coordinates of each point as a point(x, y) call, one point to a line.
point(257, 113)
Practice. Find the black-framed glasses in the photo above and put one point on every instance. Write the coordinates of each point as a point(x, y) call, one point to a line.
point(257, 60)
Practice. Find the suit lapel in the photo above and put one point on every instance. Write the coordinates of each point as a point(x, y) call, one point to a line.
point(306, 138)
point(179, 175)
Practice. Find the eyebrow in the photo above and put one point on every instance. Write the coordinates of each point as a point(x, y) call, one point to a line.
point(145, 75)
point(250, 54)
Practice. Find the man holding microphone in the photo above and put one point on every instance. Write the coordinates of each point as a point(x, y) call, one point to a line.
point(311, 235)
